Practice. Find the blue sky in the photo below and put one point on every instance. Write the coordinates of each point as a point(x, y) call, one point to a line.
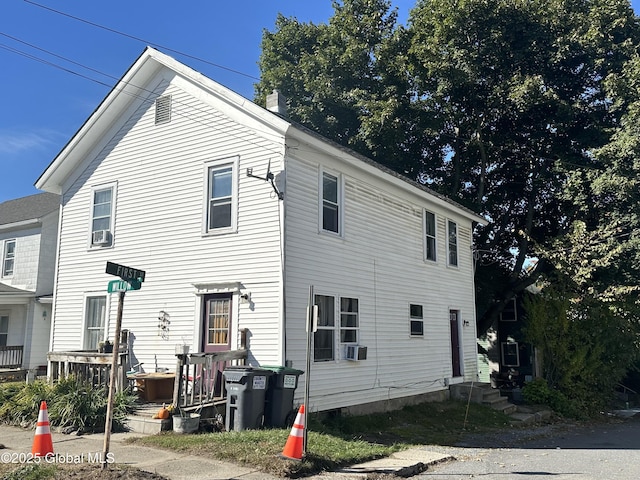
point(44, 98)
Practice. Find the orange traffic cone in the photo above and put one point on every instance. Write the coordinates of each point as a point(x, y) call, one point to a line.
point(42, 442)
point(294, 446)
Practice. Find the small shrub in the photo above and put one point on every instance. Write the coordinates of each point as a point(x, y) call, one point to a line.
point(70, 403)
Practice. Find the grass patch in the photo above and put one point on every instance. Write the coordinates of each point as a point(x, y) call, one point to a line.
point(337, 441)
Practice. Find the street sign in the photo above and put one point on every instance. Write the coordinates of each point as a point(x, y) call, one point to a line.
point(125, 273)
point(116, 286)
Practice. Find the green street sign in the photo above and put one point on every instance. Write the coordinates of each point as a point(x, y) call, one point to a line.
point(116, 286)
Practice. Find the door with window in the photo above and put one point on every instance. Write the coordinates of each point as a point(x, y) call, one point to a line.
point(216, 337)
point(455, 343)
point(216, 324)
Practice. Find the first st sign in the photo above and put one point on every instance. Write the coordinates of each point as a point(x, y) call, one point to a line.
point(125, 273)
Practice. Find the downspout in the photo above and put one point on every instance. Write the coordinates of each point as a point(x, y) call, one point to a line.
point(283, 294)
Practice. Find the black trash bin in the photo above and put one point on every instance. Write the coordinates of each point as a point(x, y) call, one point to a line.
point(278, 410)
point(246, 389)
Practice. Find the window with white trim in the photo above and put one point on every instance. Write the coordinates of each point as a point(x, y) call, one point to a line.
point(4, 330)
point(324, 336)
point(430, 236)
point(221, 197)
point(8, 257)
point(416, 320)
point(95, 312)
point(452, 243)
point(510, 354)
point(102, 209)
point(331, 203)
point(349, 320)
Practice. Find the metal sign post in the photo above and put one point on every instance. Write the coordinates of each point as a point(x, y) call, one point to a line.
point(131, 278)
point(112, 380)
point(311, 326)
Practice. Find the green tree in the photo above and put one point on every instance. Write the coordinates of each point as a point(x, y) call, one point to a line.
point(510, 107)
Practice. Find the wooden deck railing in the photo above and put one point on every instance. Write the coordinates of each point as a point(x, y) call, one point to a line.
point(88, 366)
point(199, 379)
point(11, 356)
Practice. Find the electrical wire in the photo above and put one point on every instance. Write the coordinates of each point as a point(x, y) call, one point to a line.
point(141, 40)
point(185, 113)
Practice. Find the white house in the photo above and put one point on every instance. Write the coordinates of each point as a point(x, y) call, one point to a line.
point(28, 236)
point(233, 212)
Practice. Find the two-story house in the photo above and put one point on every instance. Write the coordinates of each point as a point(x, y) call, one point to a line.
point(233, 211)
point(28, 237)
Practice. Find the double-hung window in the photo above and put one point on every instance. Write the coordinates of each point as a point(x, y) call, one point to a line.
point(102, 210)
point(452, 243)
point(416, 320)
point(347, 331)
point(221, 198)
point(8, 257)
point(429, 236)
point(331, 201)
point(349, 322)
point(95, 311)
point(4, 330)
point(324, 337)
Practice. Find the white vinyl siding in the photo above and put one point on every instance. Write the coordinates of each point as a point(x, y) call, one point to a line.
point(382, 264)
point(161, 225)
point(8, 257)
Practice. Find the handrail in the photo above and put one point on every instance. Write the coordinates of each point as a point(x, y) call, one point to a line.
point(199, 377)
point(11, 356)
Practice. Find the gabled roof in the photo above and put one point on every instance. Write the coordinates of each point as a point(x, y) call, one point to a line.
point(27, 209)
point(131, 88)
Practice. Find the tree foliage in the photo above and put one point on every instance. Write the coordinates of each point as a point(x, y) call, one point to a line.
point(526, 111)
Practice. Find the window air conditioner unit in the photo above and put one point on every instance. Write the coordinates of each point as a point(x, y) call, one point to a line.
point(356, 352)
point(101, 237)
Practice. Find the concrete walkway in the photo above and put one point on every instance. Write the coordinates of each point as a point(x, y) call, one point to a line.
point(180, 466)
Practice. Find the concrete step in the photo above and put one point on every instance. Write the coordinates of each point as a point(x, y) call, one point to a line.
point(141, 422)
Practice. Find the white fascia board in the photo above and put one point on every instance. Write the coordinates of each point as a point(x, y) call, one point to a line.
point(406, 185)
point(22, 225)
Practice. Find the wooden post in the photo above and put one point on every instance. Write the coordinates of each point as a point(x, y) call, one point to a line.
point(112, 380)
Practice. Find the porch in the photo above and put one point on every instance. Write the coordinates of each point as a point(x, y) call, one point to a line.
point(11, 363)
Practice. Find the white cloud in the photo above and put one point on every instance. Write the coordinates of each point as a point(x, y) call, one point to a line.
point(21, 142)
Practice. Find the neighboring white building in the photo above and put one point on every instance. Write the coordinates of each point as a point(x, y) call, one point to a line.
point(28, 236)
point(162, 177)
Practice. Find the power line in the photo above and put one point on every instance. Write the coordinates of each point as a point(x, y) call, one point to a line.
point(141, 40)
point(185, 112)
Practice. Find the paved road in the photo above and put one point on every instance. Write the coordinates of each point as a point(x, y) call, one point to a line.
point(602, 452)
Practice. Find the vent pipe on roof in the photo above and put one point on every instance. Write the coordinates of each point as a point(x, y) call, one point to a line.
point(277, 103)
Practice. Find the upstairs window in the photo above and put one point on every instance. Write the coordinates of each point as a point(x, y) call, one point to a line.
point(221, 197)
point(8, 257)
point(102, 216)
point(331, 213)
point(429, 236)
point(452, 244)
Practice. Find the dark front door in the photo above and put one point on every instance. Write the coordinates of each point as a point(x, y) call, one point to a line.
point(216, 324)
point(455, 343)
